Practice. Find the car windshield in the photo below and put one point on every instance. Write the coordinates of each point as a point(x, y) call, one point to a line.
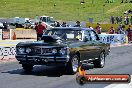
point(66, 34)
point(43, 19)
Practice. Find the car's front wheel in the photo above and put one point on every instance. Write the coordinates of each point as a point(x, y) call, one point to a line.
point(27, 67)
point(100, 62)
point(72, 65)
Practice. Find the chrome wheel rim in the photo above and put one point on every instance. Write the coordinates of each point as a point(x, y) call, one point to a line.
point(75, 64)
point(102, 59)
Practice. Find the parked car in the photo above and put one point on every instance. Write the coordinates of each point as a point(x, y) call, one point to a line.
point(67, 47)
point(48, 20)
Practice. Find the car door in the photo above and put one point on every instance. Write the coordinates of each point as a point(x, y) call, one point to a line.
point(87, 48)
point(98, 47)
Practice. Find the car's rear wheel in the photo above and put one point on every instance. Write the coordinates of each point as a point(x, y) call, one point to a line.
point(72, 65)
point(100, 62)
point(27, 67)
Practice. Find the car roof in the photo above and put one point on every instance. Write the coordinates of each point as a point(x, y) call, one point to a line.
point(70, 28)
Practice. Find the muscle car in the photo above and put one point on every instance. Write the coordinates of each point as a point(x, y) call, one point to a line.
point(68, 47)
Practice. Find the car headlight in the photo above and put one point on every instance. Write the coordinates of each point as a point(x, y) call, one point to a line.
point(21, 50)
point(28, 50)
point(63, 51)
point(54, 51)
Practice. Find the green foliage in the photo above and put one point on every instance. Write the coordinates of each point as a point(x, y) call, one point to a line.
point(64, 9)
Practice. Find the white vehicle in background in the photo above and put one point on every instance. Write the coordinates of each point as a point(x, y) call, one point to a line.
point(48, 20)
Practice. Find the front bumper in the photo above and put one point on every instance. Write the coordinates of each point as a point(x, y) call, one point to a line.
point(40, 60)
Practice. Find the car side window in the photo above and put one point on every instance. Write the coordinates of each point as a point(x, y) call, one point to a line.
point(93, 36)
point(87, 36)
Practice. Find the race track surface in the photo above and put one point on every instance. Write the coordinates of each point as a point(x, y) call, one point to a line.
point(12, 75)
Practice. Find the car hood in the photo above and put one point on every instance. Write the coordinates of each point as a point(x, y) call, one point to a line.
point(38, 43)
point(49, 41)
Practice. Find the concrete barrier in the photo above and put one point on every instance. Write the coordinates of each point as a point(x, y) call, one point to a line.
point(24, 34)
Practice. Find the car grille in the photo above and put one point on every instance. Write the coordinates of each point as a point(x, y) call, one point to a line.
point(44, 51)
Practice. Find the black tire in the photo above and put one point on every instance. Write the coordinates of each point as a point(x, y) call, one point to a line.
point(27, 68)
point(70, 69)
point(100, 62)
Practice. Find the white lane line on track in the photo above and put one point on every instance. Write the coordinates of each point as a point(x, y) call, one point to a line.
point(125, 85)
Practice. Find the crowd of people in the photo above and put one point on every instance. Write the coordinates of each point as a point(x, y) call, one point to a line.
point(121, 20)
point(120, 30)
point(41, 27)
point(64, 24)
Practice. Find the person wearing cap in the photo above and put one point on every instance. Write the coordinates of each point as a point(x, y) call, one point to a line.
point(78, 24)
point(39, 29)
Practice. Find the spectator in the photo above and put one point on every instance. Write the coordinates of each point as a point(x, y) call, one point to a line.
point(40, 29)
point(131, 20)
point(117, 20)
point(112, 19)
point(6, 26)
point(112, 30)
point(98, 28)
point(78, 24)
point(64, 24)
point(128, 30)
point(129, 33)
point(127, 20)
point(120, 19)
point(121, 29)
point(57, 24)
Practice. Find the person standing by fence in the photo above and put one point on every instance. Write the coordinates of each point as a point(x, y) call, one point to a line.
point(127, 20)
point(120, 19)
point(131, 20)
point(129, 33)
point(98, 28)
point(112, 19)
point(117, 20)
point(112, 30)
point(121, 29)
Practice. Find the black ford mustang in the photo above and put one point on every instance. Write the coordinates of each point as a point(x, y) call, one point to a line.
point(67, 47)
